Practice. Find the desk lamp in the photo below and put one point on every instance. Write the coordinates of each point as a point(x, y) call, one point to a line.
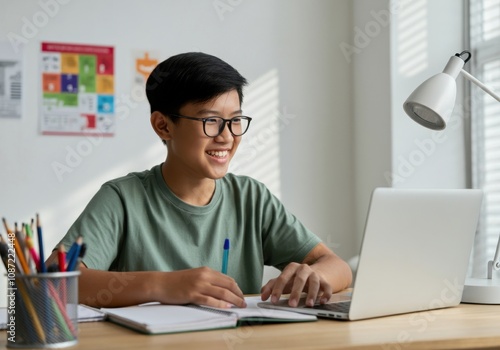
point(431, 105)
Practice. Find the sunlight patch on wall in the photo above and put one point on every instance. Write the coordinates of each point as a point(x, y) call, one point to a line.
point(412, 38)
point(258, 155)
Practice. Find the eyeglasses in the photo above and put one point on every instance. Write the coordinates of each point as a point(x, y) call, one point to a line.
point(213, 126)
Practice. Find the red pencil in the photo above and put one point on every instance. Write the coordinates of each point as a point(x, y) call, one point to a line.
point(61, 255)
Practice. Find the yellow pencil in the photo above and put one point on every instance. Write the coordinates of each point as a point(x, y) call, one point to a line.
point(21, 258)
point(31, 310)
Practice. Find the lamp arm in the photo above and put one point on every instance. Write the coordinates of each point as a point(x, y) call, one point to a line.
point(495, 263)
point(482, 86)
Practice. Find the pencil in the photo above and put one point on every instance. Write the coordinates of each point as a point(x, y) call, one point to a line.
point(7, 228)
point(61, 321)
point(28, 332)
point(29, 232)
point(69, 254)
point(20, 257)
point(62, 307)
point(31, 310)
point(76, 253)
point(21, 236)
point(4, 253)
point(61, 258)
point(43, 268)
point(33, 253)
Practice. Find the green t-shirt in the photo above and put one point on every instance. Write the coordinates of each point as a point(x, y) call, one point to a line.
point(135, 223)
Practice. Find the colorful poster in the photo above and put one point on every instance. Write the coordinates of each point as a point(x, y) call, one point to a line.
point(77, 92)
point(10, 81)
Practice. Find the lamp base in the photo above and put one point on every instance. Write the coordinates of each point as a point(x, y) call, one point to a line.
point(481, 291)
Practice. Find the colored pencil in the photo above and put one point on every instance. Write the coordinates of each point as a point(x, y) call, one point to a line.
point(34, 255)
point(31, 310)
point(74, 258)
point(61, 258)
point(62, 308)
point(43, 268)
point(20, 257)
point(7, 228)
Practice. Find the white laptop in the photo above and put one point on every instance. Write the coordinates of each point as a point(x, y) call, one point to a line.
point(414, 255)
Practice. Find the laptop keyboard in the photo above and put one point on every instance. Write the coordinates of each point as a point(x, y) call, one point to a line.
point(336, 307)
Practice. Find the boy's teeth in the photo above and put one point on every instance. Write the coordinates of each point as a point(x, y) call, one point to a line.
point(219, 154)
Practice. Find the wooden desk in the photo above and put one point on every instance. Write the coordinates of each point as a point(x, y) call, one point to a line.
point(463, 327)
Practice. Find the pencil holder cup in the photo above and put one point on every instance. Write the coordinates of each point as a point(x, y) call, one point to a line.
point(42, 310)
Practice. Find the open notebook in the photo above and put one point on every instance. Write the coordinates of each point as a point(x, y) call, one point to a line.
point(155, 318)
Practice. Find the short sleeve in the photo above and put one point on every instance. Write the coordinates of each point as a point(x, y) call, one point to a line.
point(285, 238)
point(101, 226)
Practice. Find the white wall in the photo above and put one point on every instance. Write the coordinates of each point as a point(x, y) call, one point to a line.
point(316, 148)
point(294, 41)
point(422, 157)
point(372, 104)
point(394, 56)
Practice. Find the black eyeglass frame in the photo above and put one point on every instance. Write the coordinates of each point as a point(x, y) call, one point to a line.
point(221, 127)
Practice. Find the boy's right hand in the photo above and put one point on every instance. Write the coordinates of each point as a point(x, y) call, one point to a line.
point(201, 286)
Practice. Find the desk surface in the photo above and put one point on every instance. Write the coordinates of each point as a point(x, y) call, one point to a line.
point(462, 327)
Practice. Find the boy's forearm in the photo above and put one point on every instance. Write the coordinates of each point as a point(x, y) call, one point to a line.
point(335, 270)
point(330, 266)
point(113, 289)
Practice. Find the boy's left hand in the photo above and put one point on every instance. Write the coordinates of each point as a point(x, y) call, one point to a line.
point(295, 279)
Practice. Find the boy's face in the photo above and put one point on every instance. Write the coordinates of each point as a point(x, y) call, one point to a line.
point(197, 155)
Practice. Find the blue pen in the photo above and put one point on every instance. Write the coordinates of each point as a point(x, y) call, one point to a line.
point(225, 257)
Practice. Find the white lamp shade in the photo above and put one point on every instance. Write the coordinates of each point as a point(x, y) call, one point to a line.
point(432, 102)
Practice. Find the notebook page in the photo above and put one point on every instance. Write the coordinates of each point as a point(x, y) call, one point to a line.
point(254, 311)
point(158, 318)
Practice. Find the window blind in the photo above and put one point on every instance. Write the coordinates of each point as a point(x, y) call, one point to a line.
point(484, 32)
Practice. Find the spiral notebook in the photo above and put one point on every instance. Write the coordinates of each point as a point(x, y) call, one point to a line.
point(155, 318)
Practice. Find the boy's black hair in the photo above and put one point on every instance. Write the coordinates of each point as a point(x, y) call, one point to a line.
point(190, 77)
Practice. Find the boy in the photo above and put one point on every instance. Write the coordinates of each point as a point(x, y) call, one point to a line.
point(158, 235)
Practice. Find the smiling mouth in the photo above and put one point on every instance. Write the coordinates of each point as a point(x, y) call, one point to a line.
point(218, 154)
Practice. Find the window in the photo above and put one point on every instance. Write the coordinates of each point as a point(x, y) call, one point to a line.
point(485, 126)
